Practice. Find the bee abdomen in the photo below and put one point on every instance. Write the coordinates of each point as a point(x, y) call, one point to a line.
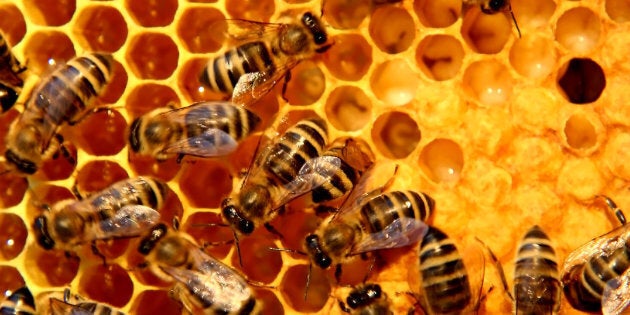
point(384, 209)
point(137, 191)
point(338, 185)
point(236, 121)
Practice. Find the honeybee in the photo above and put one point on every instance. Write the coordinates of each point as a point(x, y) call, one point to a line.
point(10, 80)
point(600, 265)
point(20, 302)
point(367, 299)
point(124, 209)
point(204, 284)
point(204, 129)
point(268, 51)
point(67, 303)
point(63, 97)
point(492, 7)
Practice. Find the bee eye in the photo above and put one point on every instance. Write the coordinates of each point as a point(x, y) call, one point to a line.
point(134, 135)
point(7, 97)
point(246, 226)
point(41, 228)
point(496, 5)
point(323, 261)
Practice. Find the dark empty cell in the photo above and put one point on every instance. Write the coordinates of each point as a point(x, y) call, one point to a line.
point(583, 81)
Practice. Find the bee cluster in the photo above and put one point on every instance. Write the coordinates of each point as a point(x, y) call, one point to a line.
point(319, 204)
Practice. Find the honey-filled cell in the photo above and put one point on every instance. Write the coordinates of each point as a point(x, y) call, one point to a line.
point(152, 56)
point(349, 58)
point(13, 236)
point(12, 23)
point(259, 11)
point(60, 166)
point(151, 13)
point(259, 262)
point(149, 166)
point(346, 14)
point(101, 28)
point(10, 280)
point(50, 267)
point(101, 133)
point(208, 229)
point(581, 80)
point(392, 29)
point(202, 30)
point(293, 288)
point(307, 84)
point(50, 13)
point(348, 108)
point(578, 30)
point(618, 10)
point(394, 82)
point(488, 82)
point(486, 33)
point(294, 226)
point(395, 134)
point(151, 302)
point(95, 176)
point(149, 96)
point(110, 284)
point(271, 303)
point(437, 13)
point(442, 160)
point(533, 57)
point(106, 250)
point(205, 183)
point(43, 197)
point(12, 190)
point(46, 49)
point(117, 84)
point(440, 57)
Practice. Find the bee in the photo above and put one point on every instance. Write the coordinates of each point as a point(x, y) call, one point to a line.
point(268, 51)
point(204, 285)
point(492, 7)
point(597, 265)
point(124, 209)
point(204, 129)
point(288, 167)
point(67, 303)
point(367, 299)
point(20, 302)
point(63, 97)
point(10, 80)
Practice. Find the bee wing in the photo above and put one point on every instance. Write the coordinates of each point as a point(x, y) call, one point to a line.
point(357, 154)
point(59, 307)
point(616, 296)
point(128, 221)
point(401, 232)
point(211, 143)
point(241, 31)
point(254, 85)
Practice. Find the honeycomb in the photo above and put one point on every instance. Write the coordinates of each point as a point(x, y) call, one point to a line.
point(503, 131)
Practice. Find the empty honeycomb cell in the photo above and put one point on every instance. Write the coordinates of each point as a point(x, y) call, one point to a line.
point(148, 166)
point(442, 160)
point(117, 84)
point(152, 56)
point(50, 13)
point(95, 176)
point(533, 57)
point(437, 13)
point(294, 226)
point(394, 82)
point(12, 190)
point(581, 80)
point(13, 235)
point(348, 108)
point(45, 49)
point(12, 23)
point(271, 303)
point(346, 14)
point(60, 166)
point(202, 30)
point(101, 28)
point(616, 154)
point(10, 281)
point(252, 10)
point(489, 82)
point(491, 183)
point(533, 14)
point(534, 158)
point(149, 96)
point(392, 29)
point(618, 10)
point(50, 268)
point(578, 30)
point(190, 85)
point(293, 288)
point(580, 178)
point(259, 262)
point(440, 56)
point(101, 133)
point(151, 13)
point(349, 58)
point(307, 84)
point(537, 109)
point(110, 284)
point(208, 229)
point(486, 33)
point(196, 179)
point(395, 134)
point(150, 302)
point(581, 134)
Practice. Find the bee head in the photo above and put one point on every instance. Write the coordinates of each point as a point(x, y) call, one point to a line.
point(134, 135)
point(493, 6)
point(315, 27)
point(40, 226)
point(148, 242)
point(8, 97)
point(364, 296)
point(314, 249)
point(234, 218)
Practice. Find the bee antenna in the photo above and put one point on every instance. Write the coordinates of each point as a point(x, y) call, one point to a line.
point(308, 280)
point(175, 223)
point(498, 267)
point(515, 24)
point(238, 249)
point(209, 224)
point(613, 207)
point(261, 285)
point(288, 250)
point(367, 275)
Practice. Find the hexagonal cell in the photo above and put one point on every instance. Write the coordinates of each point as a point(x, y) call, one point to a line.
point(489, 82)
point(50, 268)
point(618, 10)
point(348, 108)
point(349, 58)
point(394, 82)
point(259, 263)
point(534, 158)
point(60, 166)
point(580, 133)
point(437, 13)
point(533, 14)
point(259, 11)
point(150, 302)
point(147, 165)
point(151, 13)
point(578, 30)
point(101, 28)
point(533, 57)
point(195, 178)
point(12, 23)
point(44, 196)
point(172, 208)
point(101, 133)
point(45, 49)
point(190, 85)
point(580, 178)
point(109, 249)
point(202, 30)
point(293, 286)
point(440, 56)
point(307, 84)
point(392, 29)
point(616, 155)
point(149, 96)
point(241, 159)
point(10, 281)
point(271, 303)
point(295, 226)
point(395, 134)
point(152, 56)
point(12, 190)
point(442, 160)
point(486, 33)
point(110, 284)
point(208, 230)
point(117, 84)
point(13, 237)
point(346, 14)
point(491, 186)
point(581, 80)
point(98, 175)
point(50, 13)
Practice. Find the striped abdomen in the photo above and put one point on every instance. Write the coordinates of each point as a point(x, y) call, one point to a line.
point(445, 283)
point(237, 121)
point(222, 73)
point(95, 309)
point(345, 176)
point(20, 302)
point(134, 191)
point(300, 143)
point(585, 290)
point(383, 210)
point(537, 287)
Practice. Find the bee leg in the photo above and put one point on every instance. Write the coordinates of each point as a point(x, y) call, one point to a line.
point(343, 306)
point(338, 273)
point(417, 305)
point(499, 269)
point(205, 245)
point(180, 157)
point(87, 114)
point(98, 253)
point(72, 256)
point(76, 192)
point(273, 230)
point(287, 78)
